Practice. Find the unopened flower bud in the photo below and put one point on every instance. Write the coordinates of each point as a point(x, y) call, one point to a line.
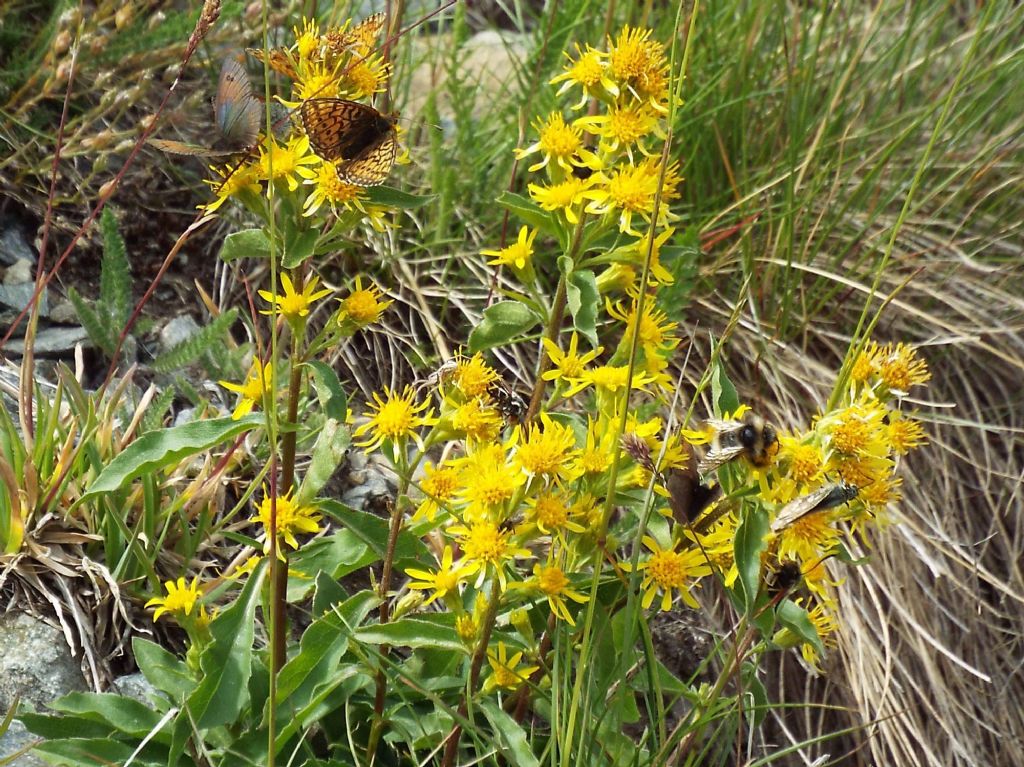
point(61, 42)
point(123, 17)
point(107, 189)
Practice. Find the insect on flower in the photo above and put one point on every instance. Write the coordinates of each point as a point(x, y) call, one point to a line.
point(508, 402)
point(236, 112)
point(825, 497)
point(752, 437)
point(688, 495)
point(361, 141)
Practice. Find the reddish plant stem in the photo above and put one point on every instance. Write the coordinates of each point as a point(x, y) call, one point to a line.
point(451, 748)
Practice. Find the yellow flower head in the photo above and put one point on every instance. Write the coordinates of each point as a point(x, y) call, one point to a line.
point(488, 546)
point(668, 571)
point(292, 305)
point(338, 196)
point(558, 142)
point(180, 599)
point(566, 197)
point(900, 367)
point(803, 457)
point(638, 64)
point(254, 390)
point(362, 307)
point(551, 581)
point(546, 450)
point(281, 163)
point(487, 479)
point(517, 255)
point(475, 421)
point(473, 377)
point(655, 328)
point(438, 485)
point(228, 184)
point(568, 364)
point(394, 418)
point(589, 70)
point(291, 518)
point(505, 671)
point(445, 580)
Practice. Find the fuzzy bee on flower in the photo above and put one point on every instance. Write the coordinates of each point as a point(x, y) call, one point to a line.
point(747, 435)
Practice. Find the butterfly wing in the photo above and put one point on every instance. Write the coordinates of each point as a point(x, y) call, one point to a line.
point(361, 37)
point(192, 150)
point(825, 497)
point(277, 59)
point(371, 166)
point(236, 109)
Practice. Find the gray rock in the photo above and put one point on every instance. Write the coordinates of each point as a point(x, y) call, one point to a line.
point(55, 340)
point(14, 740)
point(14, 298)
point(14, 246)
point(36, 663)
point(136, 687)
point(18, 272)
point(177, 331)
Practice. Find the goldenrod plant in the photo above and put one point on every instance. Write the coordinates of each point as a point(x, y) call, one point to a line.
point(499, 608)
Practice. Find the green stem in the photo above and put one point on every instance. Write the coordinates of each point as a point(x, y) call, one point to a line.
point(555, 323)
point(451, 748)
point(397, 517)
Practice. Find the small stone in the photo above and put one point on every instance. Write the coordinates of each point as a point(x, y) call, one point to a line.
point(177, 331)
point(14, 246)
point(19, 272)
point(55, 340)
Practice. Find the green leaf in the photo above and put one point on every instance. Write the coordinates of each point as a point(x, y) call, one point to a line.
point(414, 632)
point(502, 322)
point(328, 593)
point(337, 555)
point(395, 198)
point(123, 714)
point(226, 662)
point(154, 415)
point(748, 546)
point(795, 618)
point(299, 246)
point(159, 449)
point(115, 273)
point(206, 339)
point(584, 301)
point(328, 452)
point(100, 332)
point(373, 531)
point(511, 737)
point(322, 645)
point(249, 243)
point(162, 670)
point(723, 393)
point(329, 390)
point(527, 210)
point(57, 727)
point(758, 706)
point(76, 752)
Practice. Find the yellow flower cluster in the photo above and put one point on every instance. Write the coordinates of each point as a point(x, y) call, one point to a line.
point(338, 63)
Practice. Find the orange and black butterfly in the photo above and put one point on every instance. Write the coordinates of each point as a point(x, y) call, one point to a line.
point(361, 141)
point(360, 38)
point(278, 59)
point(236, 112)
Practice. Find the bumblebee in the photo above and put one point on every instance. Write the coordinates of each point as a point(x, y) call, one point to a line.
point(825, 497)
point(508, 402)
point(751, 437)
